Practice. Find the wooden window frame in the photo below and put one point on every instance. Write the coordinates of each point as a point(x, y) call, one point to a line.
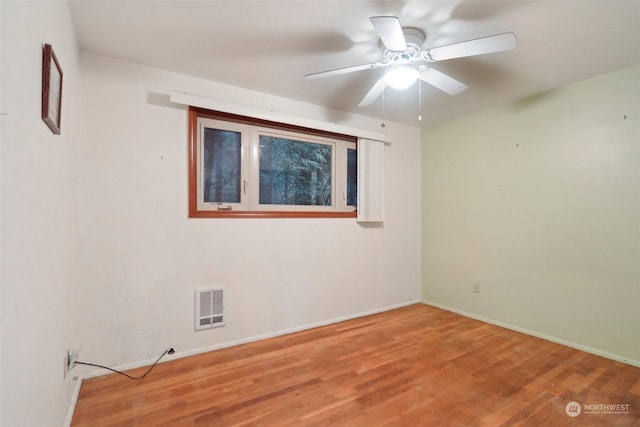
point(195, 212)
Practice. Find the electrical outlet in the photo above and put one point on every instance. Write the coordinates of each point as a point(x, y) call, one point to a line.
point(70, 361)
point(476, 288)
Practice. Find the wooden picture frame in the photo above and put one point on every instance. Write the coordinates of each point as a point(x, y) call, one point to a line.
point(51, 89)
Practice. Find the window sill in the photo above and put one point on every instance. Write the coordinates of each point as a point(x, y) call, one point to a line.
point(270, 214)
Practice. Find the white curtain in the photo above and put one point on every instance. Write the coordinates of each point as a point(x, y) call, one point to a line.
point(370, 180)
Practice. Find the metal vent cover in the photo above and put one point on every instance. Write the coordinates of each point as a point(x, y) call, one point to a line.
point(209, 306)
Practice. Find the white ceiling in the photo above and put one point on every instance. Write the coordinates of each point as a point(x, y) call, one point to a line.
point(268, 46)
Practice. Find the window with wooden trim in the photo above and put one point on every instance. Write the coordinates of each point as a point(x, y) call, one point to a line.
point(245, 167)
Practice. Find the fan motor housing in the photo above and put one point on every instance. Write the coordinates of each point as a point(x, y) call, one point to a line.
point(414, 38)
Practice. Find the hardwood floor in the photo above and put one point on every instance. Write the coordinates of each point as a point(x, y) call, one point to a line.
point(414, 366)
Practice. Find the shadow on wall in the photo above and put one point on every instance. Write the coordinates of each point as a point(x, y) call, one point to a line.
point(531, 101)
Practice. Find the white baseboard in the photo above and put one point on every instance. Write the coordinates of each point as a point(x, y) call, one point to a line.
point(292, 330)
point(546, 337)
point(74, 401)
point(193, 352)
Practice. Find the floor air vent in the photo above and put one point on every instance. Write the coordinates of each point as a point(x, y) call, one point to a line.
point(209, 308)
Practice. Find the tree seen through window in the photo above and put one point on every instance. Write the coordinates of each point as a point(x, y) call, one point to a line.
point(222, 150)
point(294, 172)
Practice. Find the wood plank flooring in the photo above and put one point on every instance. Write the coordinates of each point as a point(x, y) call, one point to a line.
point(414, 366)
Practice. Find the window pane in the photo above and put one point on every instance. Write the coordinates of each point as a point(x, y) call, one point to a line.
point(221, 166)
point(352, 177)
point(294, 172)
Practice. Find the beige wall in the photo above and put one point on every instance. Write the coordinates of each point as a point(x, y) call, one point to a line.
point(39, 217)
point(538, 201)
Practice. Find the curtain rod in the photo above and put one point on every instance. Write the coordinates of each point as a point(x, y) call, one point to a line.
point(184, 98)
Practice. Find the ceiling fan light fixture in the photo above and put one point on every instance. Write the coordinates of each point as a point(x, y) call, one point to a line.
point(401, 77)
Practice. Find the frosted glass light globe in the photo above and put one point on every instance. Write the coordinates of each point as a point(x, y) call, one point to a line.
point(401, 77)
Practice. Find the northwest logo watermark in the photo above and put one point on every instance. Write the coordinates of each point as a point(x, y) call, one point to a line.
point(606, 408)
point(573, 409)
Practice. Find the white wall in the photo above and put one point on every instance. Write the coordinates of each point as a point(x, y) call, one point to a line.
point(98, 252)
point(538, 201)
point(142, 257)
point(37, 240)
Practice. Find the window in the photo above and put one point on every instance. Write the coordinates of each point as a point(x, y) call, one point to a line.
point(244, 167)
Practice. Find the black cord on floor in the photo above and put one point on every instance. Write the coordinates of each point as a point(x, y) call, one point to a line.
point(170, 351)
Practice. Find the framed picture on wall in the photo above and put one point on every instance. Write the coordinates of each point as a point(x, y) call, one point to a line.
point(51, 89)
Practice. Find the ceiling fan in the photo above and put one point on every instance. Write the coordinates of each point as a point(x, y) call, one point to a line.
point(402, 51)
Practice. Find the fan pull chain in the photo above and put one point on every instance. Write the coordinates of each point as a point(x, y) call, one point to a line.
point(419, 101)
point(382, 125)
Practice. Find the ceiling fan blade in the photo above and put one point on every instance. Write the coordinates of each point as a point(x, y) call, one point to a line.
point(344, 70)
point(481, 46)
point(441, 81)
point(390, 32)
point(374, 92)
